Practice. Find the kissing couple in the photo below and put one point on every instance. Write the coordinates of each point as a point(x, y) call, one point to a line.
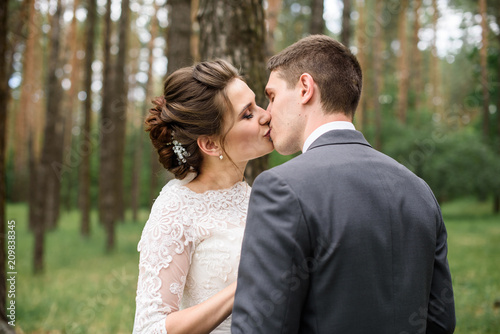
point(340, 239)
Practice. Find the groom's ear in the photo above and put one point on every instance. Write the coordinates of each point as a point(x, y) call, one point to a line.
point(209, 145)
point(306, 86)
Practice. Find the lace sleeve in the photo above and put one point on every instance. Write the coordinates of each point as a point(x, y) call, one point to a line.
point(165, 257)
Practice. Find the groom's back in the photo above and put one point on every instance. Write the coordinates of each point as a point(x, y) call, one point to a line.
point(374, 227)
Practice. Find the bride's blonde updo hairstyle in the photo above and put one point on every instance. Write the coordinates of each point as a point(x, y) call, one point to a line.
point(194, 104)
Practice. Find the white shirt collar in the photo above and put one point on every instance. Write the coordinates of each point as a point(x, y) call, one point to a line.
point(337, 125)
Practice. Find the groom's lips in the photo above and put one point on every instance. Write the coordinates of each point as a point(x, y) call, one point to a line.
point(268, 134)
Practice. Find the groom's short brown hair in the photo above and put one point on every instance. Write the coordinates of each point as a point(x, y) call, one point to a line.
point(333, 67)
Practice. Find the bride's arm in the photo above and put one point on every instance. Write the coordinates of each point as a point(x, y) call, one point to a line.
point(204, 317)
point(165, 260)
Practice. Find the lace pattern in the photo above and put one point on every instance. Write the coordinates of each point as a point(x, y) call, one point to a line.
point(189, 250)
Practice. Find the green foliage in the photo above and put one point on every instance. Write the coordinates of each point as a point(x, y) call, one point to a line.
point(453, 163)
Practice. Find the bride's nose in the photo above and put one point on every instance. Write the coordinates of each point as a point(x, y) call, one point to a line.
point(264, 117)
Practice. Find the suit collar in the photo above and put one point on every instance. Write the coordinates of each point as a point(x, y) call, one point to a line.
point(340, 137)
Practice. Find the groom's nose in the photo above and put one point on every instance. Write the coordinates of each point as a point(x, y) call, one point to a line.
point(265, 116)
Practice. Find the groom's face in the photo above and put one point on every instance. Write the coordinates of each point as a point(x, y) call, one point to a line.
point(287, 125)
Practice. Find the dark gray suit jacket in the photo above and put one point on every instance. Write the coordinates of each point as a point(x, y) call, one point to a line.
point(343, 239)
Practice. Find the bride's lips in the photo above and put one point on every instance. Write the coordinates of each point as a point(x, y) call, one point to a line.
point(268, 135)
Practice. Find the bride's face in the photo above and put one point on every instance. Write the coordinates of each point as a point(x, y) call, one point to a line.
point(248, 137)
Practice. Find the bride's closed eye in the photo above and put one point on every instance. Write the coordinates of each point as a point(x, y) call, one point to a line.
point(248, 114)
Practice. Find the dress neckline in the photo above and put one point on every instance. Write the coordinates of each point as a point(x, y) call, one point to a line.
point(234, 187)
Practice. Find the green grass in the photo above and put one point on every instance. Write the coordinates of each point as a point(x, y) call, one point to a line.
point(84, 290)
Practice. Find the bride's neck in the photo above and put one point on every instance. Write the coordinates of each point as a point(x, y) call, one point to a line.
point(216, 177)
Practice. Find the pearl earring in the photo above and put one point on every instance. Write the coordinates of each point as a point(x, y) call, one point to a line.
point(220, 157)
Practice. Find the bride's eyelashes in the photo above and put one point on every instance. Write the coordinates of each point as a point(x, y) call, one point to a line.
point(248, 114)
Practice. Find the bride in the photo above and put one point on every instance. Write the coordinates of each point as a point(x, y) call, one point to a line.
point(205, 127)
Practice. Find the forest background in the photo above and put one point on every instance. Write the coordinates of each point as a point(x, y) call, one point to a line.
point(77, 78)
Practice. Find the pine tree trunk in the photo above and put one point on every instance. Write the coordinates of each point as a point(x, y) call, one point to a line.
point(361, 55)
point(4, 99)
point(416, 63)
point(345, 35)
point(56, 168)
point(496, 200)
point(483, 52)
point(377, 73)
point(87, 145)
point(20, 145)
point(107, 144)
point(272, 13)
point(236, 32)
point(179, 55)
point(317, 25)
point(48, 176)
point(434, 99)
point(403, 69)
point(119, 109)
point(179, 35)
point(139, 143)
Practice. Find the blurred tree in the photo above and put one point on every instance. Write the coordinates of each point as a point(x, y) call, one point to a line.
point(139, 143)
point(484, 68)
point(345, 34)
point(85, 141)
point(179, 35)
point(362, 49)
point(272, 14)
point(403, 70)
point(26, 104)
point(4, 99)
point(317, 23)
point(73, 40)
point(49, 168)
point(236, 32)
point(416, 60)
point(435, 98)
point(496, 201)
point(107, 144)
point(119, 109)
point(377, 73)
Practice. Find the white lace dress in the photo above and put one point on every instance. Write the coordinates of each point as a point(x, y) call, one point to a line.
point(189, 250)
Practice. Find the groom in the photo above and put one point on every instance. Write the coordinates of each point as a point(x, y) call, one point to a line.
point(341, 239)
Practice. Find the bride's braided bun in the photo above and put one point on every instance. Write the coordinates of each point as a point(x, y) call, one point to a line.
point(194, 104)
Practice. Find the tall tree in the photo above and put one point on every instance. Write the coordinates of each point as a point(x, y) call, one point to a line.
point(272, 13)
point(317, 24)
point(139, 143)
point(496, 201)
point(403, 69)
point(377, 73)
point(361, 55)
point(416, 56)
point(179, 54)
point(179, 35)
point(73, 40)
point(26, 104)
point(86, 143)
point(345, 35)
point(236, 32)
point(483, 53)
point(48, 175)
point(434, 76)
point(119, 108)
point(107, 144)
point(4, 99)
